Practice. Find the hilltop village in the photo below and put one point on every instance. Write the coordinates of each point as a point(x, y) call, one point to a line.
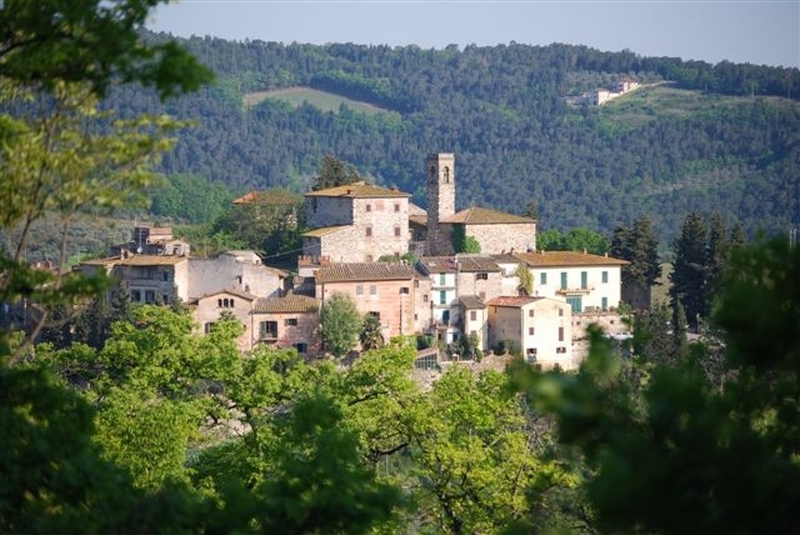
point(510, 295)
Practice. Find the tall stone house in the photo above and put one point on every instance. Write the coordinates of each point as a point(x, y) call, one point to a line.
point(356, 223)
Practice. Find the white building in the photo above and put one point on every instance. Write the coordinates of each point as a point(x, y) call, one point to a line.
point(589, 283)
point(540, 328)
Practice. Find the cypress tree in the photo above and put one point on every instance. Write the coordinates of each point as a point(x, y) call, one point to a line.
point(689, 269)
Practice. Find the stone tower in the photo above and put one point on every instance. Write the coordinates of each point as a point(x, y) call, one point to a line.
point(441, 189)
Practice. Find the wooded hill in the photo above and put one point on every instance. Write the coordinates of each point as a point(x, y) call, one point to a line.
point(705, 137)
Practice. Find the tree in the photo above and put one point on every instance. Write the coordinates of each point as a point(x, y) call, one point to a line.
point(525, 279)
point(639, 246)
point(340, 324)
point(462, 243)
point(334, 172)
point(371, 335)
point(50, 42)
point(692, 456)
point(689, 269)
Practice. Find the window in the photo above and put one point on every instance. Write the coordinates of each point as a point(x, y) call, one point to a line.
point(368, 208)
point(208, 327)
point(473, 315)
point(446, 317)
point(149, 296)
point(442, 297)
point(397, 231)
point(165, 276)
point(604, 303)
point(481, 276)
point(530, 313)
point(542, 278)
point(561, 349)
point(424, 298)
point(314, 204)
point(136, 296)
point(359, 289)
point(405, 290)
point(290, 322)
point(397, 207)
point(165, 299)
point(563, 280)
point(560, 312)
point(268, 330)
point(368, 232)
point(530, 331)
point(604, 277)
point(576, 303)
point(374, 314)
point(442, 279)
point(373, 289)
point(584, 280)
point(301, 347)
point(561, 334)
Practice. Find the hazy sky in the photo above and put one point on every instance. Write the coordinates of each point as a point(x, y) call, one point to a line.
point(755, 31)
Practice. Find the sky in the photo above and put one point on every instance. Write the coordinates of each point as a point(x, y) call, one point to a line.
point(762, 32)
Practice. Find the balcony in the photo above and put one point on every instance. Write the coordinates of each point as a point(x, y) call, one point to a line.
point(575, 291)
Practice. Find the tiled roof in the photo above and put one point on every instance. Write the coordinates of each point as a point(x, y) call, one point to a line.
point(137, 260)
point(513, 301)
point(567, 258)
point(484, 216)
point(419, 220)
point(413, 209)
point(323, 231)
point(230, 291)
point(289, 303)
point(471, 302)
point(358, 190)
point(366, 271)
point(466, 264)
point(271, 197)
point(505, 258)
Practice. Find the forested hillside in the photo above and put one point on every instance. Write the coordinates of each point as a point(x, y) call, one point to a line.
point(704, 137)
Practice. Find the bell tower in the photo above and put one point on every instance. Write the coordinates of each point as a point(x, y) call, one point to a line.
point(441, 190)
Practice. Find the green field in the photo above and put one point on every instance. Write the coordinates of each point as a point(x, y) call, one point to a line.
point(651, 103)
point(296, 96)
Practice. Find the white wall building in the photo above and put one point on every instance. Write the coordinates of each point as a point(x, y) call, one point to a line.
point(589, 283)
point(540, 328)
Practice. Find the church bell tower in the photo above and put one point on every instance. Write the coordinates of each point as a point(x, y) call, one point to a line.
point(441, 190)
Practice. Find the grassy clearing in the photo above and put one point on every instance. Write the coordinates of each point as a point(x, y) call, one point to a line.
point(296, 96)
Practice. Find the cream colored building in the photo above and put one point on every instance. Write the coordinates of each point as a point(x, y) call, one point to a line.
point(209, 309)
point(539, 327)
point(356, 223)
point(588, 282)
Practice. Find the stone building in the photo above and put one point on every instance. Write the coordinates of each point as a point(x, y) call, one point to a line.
point(209, 309)
point(496, 232)
point(356, 223)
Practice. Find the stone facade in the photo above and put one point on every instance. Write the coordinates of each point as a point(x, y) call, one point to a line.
point(441, 193)
point(356, 223)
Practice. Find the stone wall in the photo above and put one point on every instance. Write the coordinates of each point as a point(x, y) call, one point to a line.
point(502, 238)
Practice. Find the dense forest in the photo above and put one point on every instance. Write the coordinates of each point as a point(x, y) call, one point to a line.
point(697, 137)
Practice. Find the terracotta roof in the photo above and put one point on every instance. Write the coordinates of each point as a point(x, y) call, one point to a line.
point(505, 258)
point(466, 264)
point(229, 291)
point(289, 303)
point(515, 301)
point(358, 190)
point(415, 210)
point(271, 197)
point(471, 302)
point(567, 258)
point(484, 216)
point(323, 231)
point(419, 220)
point(366, 271)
